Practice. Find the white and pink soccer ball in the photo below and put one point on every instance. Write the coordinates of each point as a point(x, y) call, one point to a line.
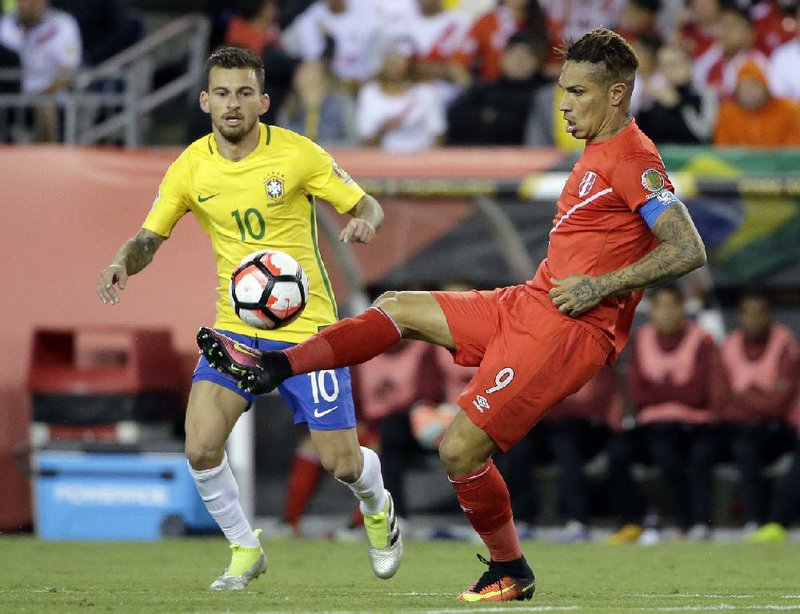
point(268, 289)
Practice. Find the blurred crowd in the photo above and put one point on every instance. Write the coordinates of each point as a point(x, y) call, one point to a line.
point(637, 447)
point(407, 75)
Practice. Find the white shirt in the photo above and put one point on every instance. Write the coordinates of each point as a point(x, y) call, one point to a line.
point(45, 50)
point(713, 70)
point(784, 70)
point(439, 36)
point(421, 109)
point(356, 33)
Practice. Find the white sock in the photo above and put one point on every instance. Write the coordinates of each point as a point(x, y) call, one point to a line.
point(368, 488)
point(220, 493)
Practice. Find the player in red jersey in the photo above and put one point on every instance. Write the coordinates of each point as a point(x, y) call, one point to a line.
point(619, 227)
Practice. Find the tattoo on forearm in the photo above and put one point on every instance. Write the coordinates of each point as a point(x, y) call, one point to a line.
point(138, 252)
point(680, 250)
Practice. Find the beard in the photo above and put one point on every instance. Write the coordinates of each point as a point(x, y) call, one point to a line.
point(235, 134)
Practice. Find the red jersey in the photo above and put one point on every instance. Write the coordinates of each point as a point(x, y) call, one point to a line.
point(598, 229)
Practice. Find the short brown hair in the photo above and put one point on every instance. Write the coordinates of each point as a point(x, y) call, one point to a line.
point(236, 57)
point(606, 47)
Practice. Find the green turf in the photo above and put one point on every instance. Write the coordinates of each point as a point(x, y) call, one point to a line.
point(314, 576)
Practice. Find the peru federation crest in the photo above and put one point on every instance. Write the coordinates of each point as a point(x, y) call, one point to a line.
point(587, 183)
point(274, 187)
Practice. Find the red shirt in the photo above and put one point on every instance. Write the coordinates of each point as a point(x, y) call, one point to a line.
point(598, 228)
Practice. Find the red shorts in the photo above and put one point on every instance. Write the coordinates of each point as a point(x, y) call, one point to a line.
point(530, 357)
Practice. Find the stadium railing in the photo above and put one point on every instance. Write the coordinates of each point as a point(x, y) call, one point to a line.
point(120, 90)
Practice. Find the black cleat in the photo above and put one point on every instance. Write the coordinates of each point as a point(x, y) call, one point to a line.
point(255, 371)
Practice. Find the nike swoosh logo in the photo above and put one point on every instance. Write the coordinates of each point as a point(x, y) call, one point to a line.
point(202, 199)
point(319, 414)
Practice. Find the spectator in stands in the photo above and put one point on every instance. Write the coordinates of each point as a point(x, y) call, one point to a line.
point(648, 78)
point(396, 113)
point(497, 112)
point(699, 26)
point(576, 431)
point(107, 27)
point(718, 67)
point(318, 108)
point(772, 26)
point(48, 42)
point(256, 26)
point(546, 126)
point(344, 29)
point(762, 362)
point(680, 113)
point(639, 18)
point(754, 117)
point(483, 47)
point(676, 381)
point(438, 36)
point(784, 66)
point(574, 18)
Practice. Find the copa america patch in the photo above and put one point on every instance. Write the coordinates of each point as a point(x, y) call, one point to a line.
point(342, 174)
point(653, 180)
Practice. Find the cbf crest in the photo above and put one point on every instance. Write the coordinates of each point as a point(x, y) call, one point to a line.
point(274, 186)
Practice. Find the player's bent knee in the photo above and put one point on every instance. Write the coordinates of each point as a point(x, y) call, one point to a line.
point(454, 457)
point(403, 308)
point(344, 468)
point(202, 456)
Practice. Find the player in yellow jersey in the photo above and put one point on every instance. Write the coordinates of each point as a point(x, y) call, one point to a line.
point(252, 187)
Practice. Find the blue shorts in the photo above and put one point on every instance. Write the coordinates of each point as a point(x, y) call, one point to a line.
point(323, 399)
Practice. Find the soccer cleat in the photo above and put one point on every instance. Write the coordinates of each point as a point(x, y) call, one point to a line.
point(385, 542)
point(770, 533)
point(246, 565)
point(225, 354)
point(629, 534)
point(503, 581)
point(254, 371)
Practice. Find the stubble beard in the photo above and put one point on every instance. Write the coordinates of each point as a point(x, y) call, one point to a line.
point(235, 135)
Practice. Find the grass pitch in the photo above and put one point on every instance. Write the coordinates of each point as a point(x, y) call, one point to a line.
point(316, 576)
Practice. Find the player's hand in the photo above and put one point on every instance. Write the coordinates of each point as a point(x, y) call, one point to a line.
point(575, 294)
point(357, 231)
point(113, 276)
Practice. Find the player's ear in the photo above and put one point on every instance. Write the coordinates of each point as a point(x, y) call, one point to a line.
point(264, 103)
point(204, 102)
point(618, 93)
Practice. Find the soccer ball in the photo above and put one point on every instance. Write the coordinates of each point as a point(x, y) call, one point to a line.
point(268, 289)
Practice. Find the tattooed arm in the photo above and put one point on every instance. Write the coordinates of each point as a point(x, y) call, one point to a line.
point(679, 251)
point(135, 254)
point(367, 219)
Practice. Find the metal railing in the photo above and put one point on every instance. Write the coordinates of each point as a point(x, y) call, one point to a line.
point(120, 90)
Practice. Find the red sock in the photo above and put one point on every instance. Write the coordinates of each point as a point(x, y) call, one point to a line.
point(483, 496)
point(303, 479)
point(348, 342)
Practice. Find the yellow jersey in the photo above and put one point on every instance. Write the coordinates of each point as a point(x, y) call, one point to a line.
point(265, 201)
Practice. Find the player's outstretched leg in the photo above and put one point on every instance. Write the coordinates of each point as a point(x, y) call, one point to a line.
point(503, 581)
point(255, 371)
point(246, 565)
